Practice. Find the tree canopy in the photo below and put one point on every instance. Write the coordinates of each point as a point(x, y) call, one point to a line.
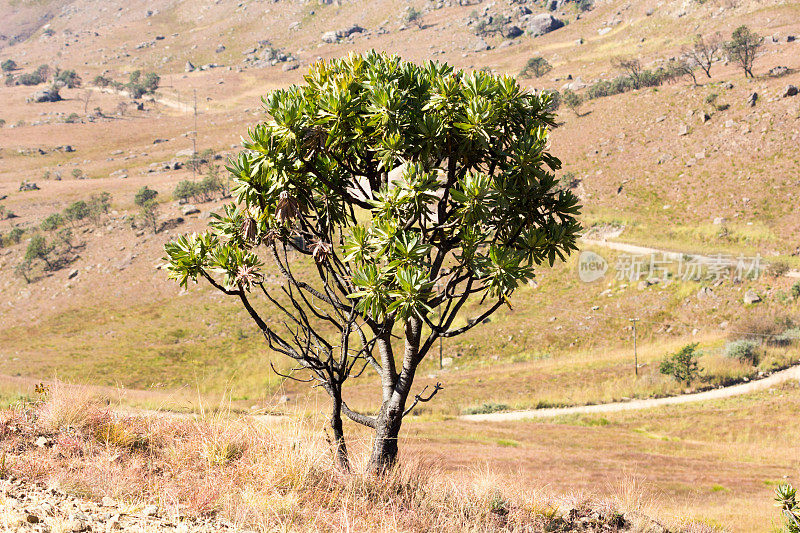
point(415, 191)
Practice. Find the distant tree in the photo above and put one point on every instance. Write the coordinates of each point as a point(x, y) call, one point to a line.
point(23, 270)
point(69, 78)
point(52, 222)
point(64, 235)
point(414, 16)
point(38, 248)
point(633, 68)
point(149, 213)
point(85, 97)
point(101, 81)
point(76, 211)
point(30, 79)
point(682, 365)
point(406, 188)
point(680, 67)
point(572, 100)
point(536, 67)
point(8, 65)
point(99, 205)
point(704, 51)
point(144, 195)
point(743, 47)
point(44, 72)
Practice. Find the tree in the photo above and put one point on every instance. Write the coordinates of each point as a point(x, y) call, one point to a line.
point(407, 188)
point(704, 52)
point(536, 67)
point(682, 365)
point(632, 67)
point(414, 16)
point(43, 72)
point(8, 65)
point(85, 97)
point(149, 213)
point(742, 48)
point(572, 100)
point(52, 222)
point(683, 66)
point(144, 195)
point(76, 211)
point(99, 205)
point(38, 248)
point(69, 78)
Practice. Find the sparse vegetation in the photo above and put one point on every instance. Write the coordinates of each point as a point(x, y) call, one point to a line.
point(745, 350)
point(743, 48)
point(572, 100)
point(67, 78)
point(536, 67)
point(139, 85)
point(414, 16)
point(8, 65)
point(682, 365)
point(704, 52)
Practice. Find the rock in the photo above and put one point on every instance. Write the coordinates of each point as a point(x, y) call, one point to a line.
point(28, 186)
point(73, 273)
point(189, 209)
point(184, 153)
point(41, 442)
point(704, 292)
point(705, 117)
point(750, 297)
point(330, 37)
point(447, 361)
point(220, 49)
point(683, 130)
point(752, 99)
point(480, 46)
point(512, 31)
point(719, 221)
point(159, 141)
point(189, 67)
point(778, 71)
point(150, 510)
point(791, 90)
point(108, 502)
point(31, 518)
point(290, 66)
point(543, 23)
point(45, 96)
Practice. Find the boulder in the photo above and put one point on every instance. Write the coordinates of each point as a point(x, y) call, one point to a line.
point(189, 67)
point(750, 297)
point(329, 37)
point(752, 99)
point(512, 31)
point(480, 46)
point(791, 90)
point(543, 23)
point(45, 96)
point(189, 209)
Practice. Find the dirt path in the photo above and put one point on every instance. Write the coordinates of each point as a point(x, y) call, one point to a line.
point(668, 254)
point(726, 392)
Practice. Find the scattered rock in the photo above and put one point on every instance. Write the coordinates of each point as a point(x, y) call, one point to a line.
point(480, 46)
point(189, 67)
point(108, 502)
point(683, 129)
point(752, 99)
point(220, 49)
point(790, 90)
point(73, 273)
point(28, 186)
point(290, 66)
point(750, 297)
point(189, 209)
point(512, 31)
point(777, 72)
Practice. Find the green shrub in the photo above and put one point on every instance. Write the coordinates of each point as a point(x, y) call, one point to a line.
point(52, 222)
point(536, 67)
point(682, 365)
point(486, 408)
point(69, 78)
point(13, 237)
point(29, 79)
point(76, 211)
point(144, 195)
point(8, 65)
point(72, 119)
point(39, 249)
point(744, 350)
point(102, 81)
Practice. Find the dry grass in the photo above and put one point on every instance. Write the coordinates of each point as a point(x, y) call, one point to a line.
point(275, 477)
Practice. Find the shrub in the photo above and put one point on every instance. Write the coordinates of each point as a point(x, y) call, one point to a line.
point(77, 173)
point(69, 78)
point(29, 79)
point(779, 268)
point(682, 365)
point(795, 290)
point(76, 211)
point(102, 81)
point(13, 237)
point(52, 222)
point(744, 350)
point(72, 119)
point(144, 195)
point(39, 249)
point(8, 65)
point(413, 16)
point(43, 71)
point(99, 205)
point(2, 122)
point(572, 100)
point(536, 67)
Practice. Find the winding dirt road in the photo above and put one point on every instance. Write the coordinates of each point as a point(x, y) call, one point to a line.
point(726, 392)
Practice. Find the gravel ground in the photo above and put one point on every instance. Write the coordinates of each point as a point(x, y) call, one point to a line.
point(36, 507)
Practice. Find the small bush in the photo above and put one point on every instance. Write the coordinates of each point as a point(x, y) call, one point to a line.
point(682, 365)
point(8, 65)
point(144, 195)
point(30, 79)
point(486, 408)
point(536, 67)
point(52, 222)
point(69, 78)
point(76, 211)
point(72, 119)
point(744, 350)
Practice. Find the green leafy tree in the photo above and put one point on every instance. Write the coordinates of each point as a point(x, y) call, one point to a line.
point(682, 365)
point(52, 222)
point(536, 67)
point(69, 78)
point(743, 47)
point(99, 205)
point(144, 195)
point(408, 188)
point(39, 248)
point(76, 211)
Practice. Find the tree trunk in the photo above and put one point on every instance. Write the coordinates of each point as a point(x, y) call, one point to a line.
point(387, 430)
point(339, 444)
